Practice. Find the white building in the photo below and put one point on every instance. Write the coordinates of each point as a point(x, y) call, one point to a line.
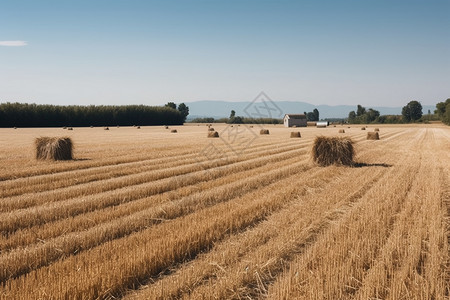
point(291, 120)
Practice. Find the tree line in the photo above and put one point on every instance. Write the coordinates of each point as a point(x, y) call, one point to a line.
point(36, 115)
point(411, 112)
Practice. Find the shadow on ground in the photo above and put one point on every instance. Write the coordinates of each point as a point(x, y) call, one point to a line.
point(361, 165)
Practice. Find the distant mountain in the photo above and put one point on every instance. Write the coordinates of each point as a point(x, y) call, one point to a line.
point(221, 109)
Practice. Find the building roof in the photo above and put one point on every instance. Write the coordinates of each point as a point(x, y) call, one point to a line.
point(296, 116)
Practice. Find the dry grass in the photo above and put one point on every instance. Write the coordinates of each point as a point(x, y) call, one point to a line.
point(328, 151)
point(52, 148)
point(175, 222)
point(373, 136)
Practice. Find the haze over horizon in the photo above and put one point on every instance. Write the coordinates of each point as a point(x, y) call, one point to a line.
point(373, 53)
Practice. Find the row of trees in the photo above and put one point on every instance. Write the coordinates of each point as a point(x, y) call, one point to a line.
point(34, 115)
point(411, 112)
point(443, 111)
point(313, 115)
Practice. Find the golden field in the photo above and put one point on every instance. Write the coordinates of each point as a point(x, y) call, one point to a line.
point(149, 214)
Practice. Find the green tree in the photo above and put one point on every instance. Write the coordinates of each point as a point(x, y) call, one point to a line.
point(351, 116)
point(232, 114)
point(316, 114)
point(360, 110)
point(412, 111)
point(171, 105)
point(184, 110)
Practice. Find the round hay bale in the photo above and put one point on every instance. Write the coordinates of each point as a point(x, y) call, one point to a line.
point(363, 128)
point(376, 129)
point(106, 128)
point(166, 127)
point(373, 135)
point(341, 131)
point(65, 127)
point(211, 129)
point(15, 127)
point(348, 127)
point(213, 134)
point(173, 131)
point(139, 127)
point(52, 148)
point(333, 151)
point(295, 134)
point(294, 126)
point(70, 128)
point(92, 126)
point(251, 126)
point(264, 131)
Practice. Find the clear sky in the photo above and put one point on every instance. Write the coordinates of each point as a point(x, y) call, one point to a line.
point(369, 52)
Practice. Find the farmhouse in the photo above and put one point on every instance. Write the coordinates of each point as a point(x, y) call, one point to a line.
point(295, 120)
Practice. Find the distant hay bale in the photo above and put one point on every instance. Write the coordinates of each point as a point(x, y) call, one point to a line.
point(92, 126)
point(65, 127)
point(70, 128)
point(310, 123)
point(333, 150)
point(52, 148)
point(373, 136)
point(251, 126)
point(139, 127)
point(166, 127)
point(363, 128)
point(211, 129)
point(294, 126)
point(106, 128)
point(295, 134)
point(348, 127)
point(15, 127)
point(376, 129)
point(264, 131)
point(173, 131)
point(341, 131)
point(213, 134)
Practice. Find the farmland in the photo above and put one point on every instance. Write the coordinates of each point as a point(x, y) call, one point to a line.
point(149, 214)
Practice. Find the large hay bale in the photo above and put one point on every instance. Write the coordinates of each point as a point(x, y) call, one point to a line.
point(173, 131)
point(52, 148)
point(211, 129)
point(295, 134)
point(264, 131)
point(373, 136)
point(213, 134)
point(341, 131)
point(333, 151)
point(376, 129)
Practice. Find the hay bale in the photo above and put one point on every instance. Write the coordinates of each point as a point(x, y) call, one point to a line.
point(251, 126)
point(213, 134)
point(294, 126)
point(65, 127)
point(92, 126)
point(376, 129)
point(264, 131)
point(173, 131)
point(166, 127)
point(15, 127)
point(373, 136)
point(295, 134)
point(52, 148)
point(211, 129)
point(363, 128)
point(70, 128)
point(139, 127)
point(106, 128)
point(333, 150)
point(341, 131)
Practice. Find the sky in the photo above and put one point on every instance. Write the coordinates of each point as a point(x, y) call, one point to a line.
point(99, 52)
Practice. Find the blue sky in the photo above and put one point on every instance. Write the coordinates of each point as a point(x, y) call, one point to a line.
point(369, 52)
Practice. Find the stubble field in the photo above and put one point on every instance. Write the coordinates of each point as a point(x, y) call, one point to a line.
point(149, 214)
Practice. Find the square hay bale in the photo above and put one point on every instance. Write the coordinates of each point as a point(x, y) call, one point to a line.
point(70, 128)
point(173, 131)
point(376, 129)
point(295, 134)
point(139, 127)
point(213, 134)
point(341, 131)
point(211, 129)
point(52, 148)
point(264, 131)
point(373, 136)
point(106, 128)
point(333, 151)
point(363, 128)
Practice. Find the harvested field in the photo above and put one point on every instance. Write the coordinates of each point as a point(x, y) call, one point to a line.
point(162, 216)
